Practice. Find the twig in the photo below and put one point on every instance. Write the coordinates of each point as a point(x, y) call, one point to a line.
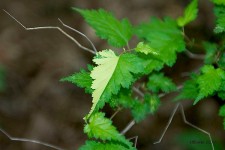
point(94, 48)
point(29, 140)
point(115, 113)
point(138, 91)
point(128, 127)
point(136, 139)
point(168, 124)
point(52, 27)
point(185, 121)
point(194, 56)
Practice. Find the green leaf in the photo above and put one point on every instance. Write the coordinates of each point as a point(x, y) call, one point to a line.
point(218, 2)
point(190, 89)
point(100, 127)
point(158, 82)
point(163, 36)
point(209, 81)
point(112, 73)
point(145, 48)
point(211, 49)
point(190, 14)
point(94, 145)
point(106, 26)
point(81, 79)
point(123, 99)
point(140, 110)
point(219, 12)
point(222, 111)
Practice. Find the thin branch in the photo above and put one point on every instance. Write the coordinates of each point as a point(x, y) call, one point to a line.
point(136, 139)
point(194, 56)
point(29, 140)
point(51, 27)
point(185, 121)
point(115, 113)
point(168, 124)
point(94, 48)
point(138, 91)
point(128, 127)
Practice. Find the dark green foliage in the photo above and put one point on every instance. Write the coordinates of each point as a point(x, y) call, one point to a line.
point(158, 82)
point(81, 79)
point(190, 89)
point(112, 79)
point(164, 37)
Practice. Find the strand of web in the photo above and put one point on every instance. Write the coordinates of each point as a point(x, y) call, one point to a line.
point(29, 140)
point(94, 51)
point(185, 121)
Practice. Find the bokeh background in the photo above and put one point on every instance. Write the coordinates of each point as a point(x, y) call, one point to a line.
point(35, 105)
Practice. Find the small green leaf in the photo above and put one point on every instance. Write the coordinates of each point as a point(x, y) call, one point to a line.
point(100, 127)
point(222, 111)
point(209, 81)
point(145, 48)
point(158, 82)
point(140, 110)
point(81, 79)
point(190, 89)
point(106, 26)
point(163, 36)
point(190, 14)
point(94, 145)
point(211, 49)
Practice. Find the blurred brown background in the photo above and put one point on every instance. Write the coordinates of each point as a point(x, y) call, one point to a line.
point(36, 105)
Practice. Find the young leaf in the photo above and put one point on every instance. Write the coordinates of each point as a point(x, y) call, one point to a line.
point(209, 81)
point(222, 111)
point(112, 73)
point(163, 36)
point(81, 79)
point(159, 82)
point(100, 127)
point(106, 26)
point(145, 48)
point(94, 145)
point(211, 49)
point(190, 14)
point(190, 89)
